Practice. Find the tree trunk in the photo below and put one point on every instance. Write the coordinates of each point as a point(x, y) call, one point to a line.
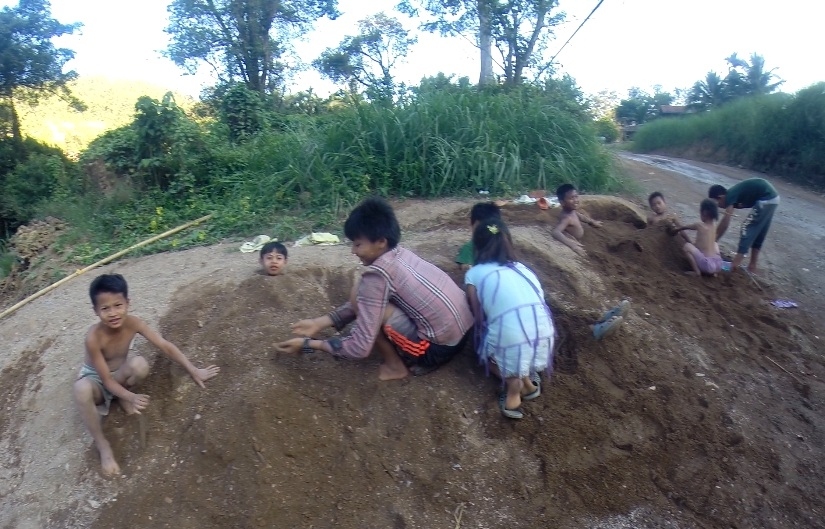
point(16, 135)
point(485, 42)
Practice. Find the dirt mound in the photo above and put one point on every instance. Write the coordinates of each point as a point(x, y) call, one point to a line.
point(680, 420)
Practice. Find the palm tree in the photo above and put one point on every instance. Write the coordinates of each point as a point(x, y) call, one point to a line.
point(758, 80)
point(709, 93)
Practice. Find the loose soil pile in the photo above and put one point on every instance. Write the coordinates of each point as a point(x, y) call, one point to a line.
point(683, 419)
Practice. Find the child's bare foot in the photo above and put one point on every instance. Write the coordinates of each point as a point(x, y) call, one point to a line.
point(513, 402)
point(392, 372)
point(107, 460)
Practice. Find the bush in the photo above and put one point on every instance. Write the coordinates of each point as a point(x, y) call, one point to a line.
point(778, 133)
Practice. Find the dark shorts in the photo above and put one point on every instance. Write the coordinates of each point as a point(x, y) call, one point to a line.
point(755, 227)
point(417, 352)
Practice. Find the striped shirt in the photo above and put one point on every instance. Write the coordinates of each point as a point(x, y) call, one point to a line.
point(424, 292)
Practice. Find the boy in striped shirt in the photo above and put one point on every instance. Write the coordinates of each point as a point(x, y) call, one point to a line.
point(407, 310)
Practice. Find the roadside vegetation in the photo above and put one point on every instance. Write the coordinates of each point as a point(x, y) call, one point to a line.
point(779, 133)
point(263, 161)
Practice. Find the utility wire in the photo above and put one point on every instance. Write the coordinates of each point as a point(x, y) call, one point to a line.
point(577, 30)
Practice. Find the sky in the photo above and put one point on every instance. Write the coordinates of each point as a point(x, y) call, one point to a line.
point(626, 43)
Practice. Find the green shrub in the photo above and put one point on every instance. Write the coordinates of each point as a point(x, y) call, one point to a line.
point(777, 133)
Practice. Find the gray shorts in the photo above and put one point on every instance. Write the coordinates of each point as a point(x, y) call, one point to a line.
point(756, 225)
point(87, 371)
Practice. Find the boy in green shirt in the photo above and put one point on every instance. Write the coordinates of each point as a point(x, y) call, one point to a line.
point(479, 212)
point(757, 194)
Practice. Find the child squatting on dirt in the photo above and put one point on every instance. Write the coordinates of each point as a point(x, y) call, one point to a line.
point(569, 230)
point(406, 309)
point(659, 214)
point(480, 211)
point(514, 326)
point(704, 256)
point(273, 258)
point(108, 372)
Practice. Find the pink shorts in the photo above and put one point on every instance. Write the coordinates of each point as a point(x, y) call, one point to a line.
point(707, 265)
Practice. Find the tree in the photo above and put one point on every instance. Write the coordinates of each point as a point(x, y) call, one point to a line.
point(743, 79)
point(519, 29)
point(640, 107)
point(368, 58)
point(241, 40)
point(708, 93)
point(30, 64)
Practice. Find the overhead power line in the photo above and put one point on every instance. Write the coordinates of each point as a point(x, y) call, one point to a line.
point(577, 30)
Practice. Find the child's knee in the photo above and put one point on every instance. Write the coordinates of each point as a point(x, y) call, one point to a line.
point(138, 367)
point(84, 391)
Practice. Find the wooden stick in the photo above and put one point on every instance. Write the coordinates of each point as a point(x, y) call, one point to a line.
point(142, 430)
point(785, 370)
point(101, 263)
point(457, 514)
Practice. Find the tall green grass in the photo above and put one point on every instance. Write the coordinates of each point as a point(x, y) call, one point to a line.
point(779, 134)
point(308, 171)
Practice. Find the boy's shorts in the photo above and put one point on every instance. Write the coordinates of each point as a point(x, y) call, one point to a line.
point(87, 371)
point(707, 265)
point(414, 351)
point(756, 225)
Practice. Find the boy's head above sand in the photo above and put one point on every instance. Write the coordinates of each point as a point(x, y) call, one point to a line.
point(708, 210)
point(568, 197)
point(657, 203)
point(110, 298)
point(484, 211)
point(273, 258)
point(373, 230)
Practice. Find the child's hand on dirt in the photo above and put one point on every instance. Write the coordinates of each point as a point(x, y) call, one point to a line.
point(136, 403)
point(579, 249)
point(307, 327)
point(596, 224)
point(291, 346)
point(202, 375)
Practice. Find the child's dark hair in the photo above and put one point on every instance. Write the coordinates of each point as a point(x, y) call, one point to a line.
point(483, 211)
point(373, 219)
point(708, 207)
point(109, 283)
point(716, 191)
point(274, 246)
point(563, 189)
point(492, 243)
point(655, 194)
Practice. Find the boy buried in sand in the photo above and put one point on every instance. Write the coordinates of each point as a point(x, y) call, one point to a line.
point(659, 215)
point(569, 230)
point(108, 372)
point(405, 309)
point(704, 257)
point(273, 258)
point(479, 212)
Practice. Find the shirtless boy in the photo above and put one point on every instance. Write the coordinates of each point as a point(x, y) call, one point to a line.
point(108, 372)
point(659, 214)
point(704, 256)
point(569, 230)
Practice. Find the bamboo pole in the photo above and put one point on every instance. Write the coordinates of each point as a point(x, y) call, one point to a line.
point(103, 262)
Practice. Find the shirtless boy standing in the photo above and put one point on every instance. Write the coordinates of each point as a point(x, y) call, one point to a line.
point(569, 230)
point(108, 372)
point(704, 256)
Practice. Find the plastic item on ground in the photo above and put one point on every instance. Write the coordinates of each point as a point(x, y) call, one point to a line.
point(784, 303)
point(318, 239)
point(255, 244)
